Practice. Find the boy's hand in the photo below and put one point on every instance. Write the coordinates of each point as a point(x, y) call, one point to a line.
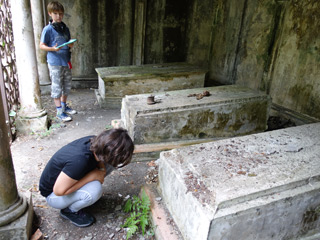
point(44, 47)
point(70, 45)
point(55, 49)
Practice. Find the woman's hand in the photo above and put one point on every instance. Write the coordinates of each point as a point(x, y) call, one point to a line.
point(99, 174)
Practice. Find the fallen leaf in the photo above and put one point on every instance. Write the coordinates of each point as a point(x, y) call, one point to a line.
point(252, 175)
point(37, 235)
point(242, 172)
point(41, 206)
point(151, 164)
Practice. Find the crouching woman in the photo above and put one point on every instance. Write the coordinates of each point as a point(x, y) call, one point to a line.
point(73, 177)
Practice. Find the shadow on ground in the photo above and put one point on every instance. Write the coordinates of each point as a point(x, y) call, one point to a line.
point(31, 153)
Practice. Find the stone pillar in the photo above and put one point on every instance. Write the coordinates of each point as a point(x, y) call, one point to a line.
point(139, 32)
point(15, 217)
point(37, 20)
point(32, 116)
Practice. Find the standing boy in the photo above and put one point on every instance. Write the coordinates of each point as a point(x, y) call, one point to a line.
point(53, 35)
point(73, 177)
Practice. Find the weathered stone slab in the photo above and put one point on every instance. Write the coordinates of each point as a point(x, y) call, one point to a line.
point(116, 82)
point(262, 186)
point(229, 111)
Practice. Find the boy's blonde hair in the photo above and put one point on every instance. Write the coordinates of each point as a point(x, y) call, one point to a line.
point(55, 6)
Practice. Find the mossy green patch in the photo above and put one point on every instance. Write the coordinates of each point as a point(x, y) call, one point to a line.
point(196, 123)
point(305, 22)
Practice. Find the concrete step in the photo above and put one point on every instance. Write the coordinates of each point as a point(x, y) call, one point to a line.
point(261, 186)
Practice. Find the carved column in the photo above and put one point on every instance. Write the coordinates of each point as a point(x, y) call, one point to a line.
point(37, 20)
point(15, 217)
point(139, 32)
point(32, 116)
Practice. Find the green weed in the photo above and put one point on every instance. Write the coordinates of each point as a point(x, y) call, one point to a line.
point(46, 133)
point(108, 127)
point(139, 209)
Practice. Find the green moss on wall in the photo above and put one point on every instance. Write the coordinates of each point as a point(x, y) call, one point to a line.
point(306, 23)
point(301, 93)
point(305, 99)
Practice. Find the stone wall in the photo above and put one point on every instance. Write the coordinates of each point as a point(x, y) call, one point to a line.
point(269, 45)
point(294, 70)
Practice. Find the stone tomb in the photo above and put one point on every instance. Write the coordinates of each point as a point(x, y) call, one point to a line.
point(116, 82)
point(178, 116)
point(262, 186)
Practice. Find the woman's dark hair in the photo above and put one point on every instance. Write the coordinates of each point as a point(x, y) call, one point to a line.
point(113, 146)
point(55, 6)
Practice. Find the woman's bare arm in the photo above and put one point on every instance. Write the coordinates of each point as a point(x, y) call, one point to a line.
point(65, 185)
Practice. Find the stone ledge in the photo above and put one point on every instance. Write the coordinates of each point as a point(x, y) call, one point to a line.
point(164, 226)
point(147, 152)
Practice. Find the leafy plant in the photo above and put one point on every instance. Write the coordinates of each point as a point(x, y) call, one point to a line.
point(46, 133)
point(139, 209)
point(108, 127)
point(12, 113)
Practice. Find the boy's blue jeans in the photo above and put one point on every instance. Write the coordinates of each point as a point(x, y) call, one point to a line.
point(83, 197)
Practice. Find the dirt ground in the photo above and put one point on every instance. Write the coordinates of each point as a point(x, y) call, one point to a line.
point(31, 153)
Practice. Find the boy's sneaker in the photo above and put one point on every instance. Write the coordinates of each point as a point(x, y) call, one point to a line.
point(64, 117)
point(68, 110)
point(80, 218)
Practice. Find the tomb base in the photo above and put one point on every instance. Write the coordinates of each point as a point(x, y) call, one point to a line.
point(117, 82)
point(182, 115)
point(262, 186)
